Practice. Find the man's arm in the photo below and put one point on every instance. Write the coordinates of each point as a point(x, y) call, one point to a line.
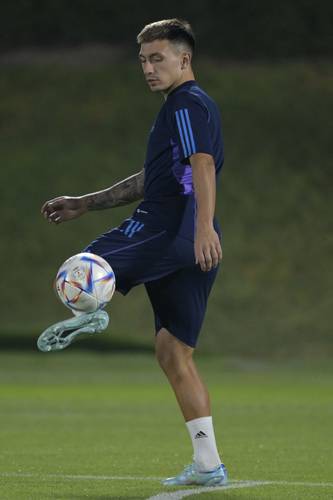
point(65, 208)
point(122, 193)
point(207, 247)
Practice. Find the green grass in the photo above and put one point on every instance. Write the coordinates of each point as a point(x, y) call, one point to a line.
point(71, 130)
point(114, 415)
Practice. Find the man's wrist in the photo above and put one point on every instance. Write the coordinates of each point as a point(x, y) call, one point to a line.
point(204, 223)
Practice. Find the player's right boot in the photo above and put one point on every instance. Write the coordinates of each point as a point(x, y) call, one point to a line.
point(61, 335)
point(191, 475)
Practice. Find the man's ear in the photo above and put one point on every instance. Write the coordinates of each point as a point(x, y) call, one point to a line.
point(186, 60)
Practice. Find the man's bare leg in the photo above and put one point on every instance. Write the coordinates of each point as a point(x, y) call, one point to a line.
point(175, 358)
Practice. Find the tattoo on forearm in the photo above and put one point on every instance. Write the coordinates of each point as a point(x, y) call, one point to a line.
point(122, 193)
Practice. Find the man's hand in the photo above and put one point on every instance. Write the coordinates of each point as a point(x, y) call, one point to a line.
point(63, 208)
point(207, 248)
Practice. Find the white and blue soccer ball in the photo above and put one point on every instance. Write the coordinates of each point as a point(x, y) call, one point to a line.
point(85, 283)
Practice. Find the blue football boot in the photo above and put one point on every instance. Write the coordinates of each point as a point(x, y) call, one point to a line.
point(191, 475)
point(60, 335)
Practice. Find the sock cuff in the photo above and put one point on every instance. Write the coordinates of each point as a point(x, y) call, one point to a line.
point(197, 422)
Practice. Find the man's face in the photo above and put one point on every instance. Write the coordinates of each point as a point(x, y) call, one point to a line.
point(161, 63)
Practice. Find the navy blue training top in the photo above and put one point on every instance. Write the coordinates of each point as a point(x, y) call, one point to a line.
point(188, 122)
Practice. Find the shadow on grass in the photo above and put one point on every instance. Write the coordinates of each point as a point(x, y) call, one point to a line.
point(29, 343)
point(102, 497)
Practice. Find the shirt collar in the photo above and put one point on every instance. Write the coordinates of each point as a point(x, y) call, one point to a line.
point(188, 83)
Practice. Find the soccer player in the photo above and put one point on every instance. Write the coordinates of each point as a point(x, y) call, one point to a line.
point(171, 243)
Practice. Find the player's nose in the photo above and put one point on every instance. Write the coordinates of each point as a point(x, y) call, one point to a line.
point(148, 68)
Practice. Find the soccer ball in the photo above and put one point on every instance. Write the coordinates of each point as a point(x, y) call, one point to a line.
point(85, 283)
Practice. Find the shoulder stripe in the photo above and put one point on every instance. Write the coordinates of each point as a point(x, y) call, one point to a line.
point(181, 133)
point(187, 139)
point(185, 132)
point(190, 130)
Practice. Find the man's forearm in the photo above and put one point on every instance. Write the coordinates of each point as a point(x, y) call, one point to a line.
point(203, 174)
point(207, 246)
point(124, 192)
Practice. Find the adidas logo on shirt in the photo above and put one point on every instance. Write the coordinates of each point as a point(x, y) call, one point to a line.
point(200, 434)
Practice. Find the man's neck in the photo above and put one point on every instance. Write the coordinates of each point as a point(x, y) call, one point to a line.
point(186, 78)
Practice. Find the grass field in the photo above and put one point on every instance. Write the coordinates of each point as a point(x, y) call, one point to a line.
point(99, 426)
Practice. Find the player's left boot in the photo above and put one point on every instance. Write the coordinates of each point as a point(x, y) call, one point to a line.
point(62, 334)
point(191, 475)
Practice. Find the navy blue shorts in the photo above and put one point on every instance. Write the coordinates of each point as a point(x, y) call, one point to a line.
point(177, 288)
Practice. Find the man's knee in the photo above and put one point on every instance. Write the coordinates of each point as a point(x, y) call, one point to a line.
point(173, 355)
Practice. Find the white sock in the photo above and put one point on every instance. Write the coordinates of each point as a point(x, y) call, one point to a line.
point(206, 456)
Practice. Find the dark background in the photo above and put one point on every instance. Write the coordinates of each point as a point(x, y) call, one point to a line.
point(227, 28)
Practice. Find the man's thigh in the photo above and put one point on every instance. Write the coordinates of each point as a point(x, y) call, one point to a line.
point(135, 253)
point(179, 301)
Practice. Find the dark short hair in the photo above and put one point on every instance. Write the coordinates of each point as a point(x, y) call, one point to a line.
point(175, 30)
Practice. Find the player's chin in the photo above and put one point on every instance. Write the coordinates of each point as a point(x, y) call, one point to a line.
point(156, 86)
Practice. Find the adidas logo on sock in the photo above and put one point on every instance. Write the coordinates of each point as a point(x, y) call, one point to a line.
point(200, 434)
